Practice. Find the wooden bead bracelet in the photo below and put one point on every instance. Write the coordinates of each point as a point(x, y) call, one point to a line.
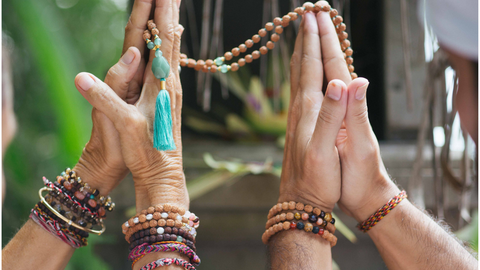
point(324, 220)
point(307, 227)
point(162, 230)
point(278, 24)
point(292, 205)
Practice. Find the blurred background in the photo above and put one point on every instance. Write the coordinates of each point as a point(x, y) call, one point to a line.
point(234, 124)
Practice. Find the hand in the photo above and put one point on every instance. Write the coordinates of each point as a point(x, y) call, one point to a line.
point(101, 163)
point(311, 168)
point(365, 183)
point(158, 176)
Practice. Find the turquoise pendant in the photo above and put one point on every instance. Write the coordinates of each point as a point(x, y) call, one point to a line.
point(160, 66)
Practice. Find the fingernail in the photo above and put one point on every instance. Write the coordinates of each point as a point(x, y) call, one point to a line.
point(361, 91)
point(85, 82)
point(334, 91)
point(127, 58)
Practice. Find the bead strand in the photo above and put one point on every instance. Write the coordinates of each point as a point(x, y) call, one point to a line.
point(278, 24)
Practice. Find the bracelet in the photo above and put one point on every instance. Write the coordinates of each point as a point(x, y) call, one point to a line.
point(56, 229)
point(327, 221)
point(307, 227)
point(161, 230)
point(161, 215)
point(68, 221)
point(168, 261)
point(165, 247)
point(161, 238)
point(382, 212)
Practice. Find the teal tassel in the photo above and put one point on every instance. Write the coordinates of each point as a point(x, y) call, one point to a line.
point(162, 126)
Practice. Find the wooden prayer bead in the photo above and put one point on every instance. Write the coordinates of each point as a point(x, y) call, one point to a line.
point(200, 65)
point(146, 36)
point(234, 67)
point(263, 50)
point(279, 29)
point(342, 27)
point(346, 43)
point(349, 60)
point(299, 206)
point(285, 21)
point(262, 32)
point(285, 206)
point(349, 52)
point(191, 63)
point(333, 13)
point(343, 35)
point(354, 75)
point(300, 11)
point(249, 43)
point(317, 7)
point(337, 20)
point(256, 54)
point(308, 208)
point(236, 51)
point(182, 56)
point(269, 26)
point(326, 8)
point(351, 68)
point(243, 48)
point(277, 21)
point(228, 56)
point(213, 69)
point(155, 32)
point(308, 6)
point(293, 16)
point(270, 45)
point(256, 38)
point(275, 37)
point(241, 62)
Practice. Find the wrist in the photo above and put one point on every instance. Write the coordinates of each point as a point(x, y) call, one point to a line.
point(306, 200)
point(98, 174)
point(379, 195)
point(154, 191)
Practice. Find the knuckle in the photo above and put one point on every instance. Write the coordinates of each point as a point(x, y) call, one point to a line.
point(327, 116)
point(361, 116)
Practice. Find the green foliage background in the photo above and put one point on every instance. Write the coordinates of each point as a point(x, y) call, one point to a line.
point(51, 41)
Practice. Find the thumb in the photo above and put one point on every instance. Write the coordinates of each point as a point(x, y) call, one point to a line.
point(331, 116)
point(102, 97)
point(356, 121)
point(120, 75)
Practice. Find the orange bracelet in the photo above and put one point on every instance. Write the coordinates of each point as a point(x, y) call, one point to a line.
point(307, 227)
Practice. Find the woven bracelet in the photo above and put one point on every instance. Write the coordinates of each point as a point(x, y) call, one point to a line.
point(382, 212)
point(168, 261)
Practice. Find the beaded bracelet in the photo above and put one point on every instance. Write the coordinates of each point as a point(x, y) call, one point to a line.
point(325, 220)
point(68, 221)
point(144, 249)
point(168, 261)
point(382, 212)
point(46, 213)
point(161, 215)
point(161, 230)
point(307, 227)
point(162, 237)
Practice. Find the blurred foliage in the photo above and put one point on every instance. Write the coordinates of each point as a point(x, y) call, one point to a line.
point(50, 42)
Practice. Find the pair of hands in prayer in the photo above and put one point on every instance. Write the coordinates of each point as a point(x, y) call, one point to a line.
point(123, 114)
point(331, 153)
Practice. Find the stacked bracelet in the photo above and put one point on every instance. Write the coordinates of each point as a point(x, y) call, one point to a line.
point(162, 228)
point(304, 217)
point(382, 212)
point(71, 209)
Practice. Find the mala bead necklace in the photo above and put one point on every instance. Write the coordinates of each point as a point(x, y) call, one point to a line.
point(163, 137)
point(278, 25)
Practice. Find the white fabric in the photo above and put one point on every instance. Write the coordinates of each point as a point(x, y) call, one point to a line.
point(455, 23)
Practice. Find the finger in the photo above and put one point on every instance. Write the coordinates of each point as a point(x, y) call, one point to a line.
point(295, 63)
point(358, 126)
point(175, 62)
point(309, 97)
point(137, 23)
point(331, 116)
point(102, 98)
point(164, 19)
point(333, 59)
point(178, 93)
point(120, 75)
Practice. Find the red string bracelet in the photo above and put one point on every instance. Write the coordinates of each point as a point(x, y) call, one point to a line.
point(382, 212)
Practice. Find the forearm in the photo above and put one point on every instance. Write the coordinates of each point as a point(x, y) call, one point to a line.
point(35, 248)
point(409, 239)
point(298, 250)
